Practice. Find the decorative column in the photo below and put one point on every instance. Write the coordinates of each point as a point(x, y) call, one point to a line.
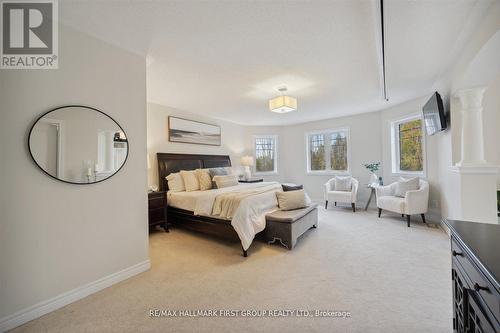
point(476, 179)
point(472, 143)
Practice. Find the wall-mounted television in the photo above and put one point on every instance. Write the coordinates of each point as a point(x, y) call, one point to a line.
point(434, 115)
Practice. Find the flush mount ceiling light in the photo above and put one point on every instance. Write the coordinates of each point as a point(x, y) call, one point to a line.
point(283, 103)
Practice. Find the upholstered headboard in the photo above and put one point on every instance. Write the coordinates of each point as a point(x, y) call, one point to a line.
point(169, 163)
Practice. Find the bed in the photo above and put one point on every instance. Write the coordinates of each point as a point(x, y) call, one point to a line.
point(182, 206)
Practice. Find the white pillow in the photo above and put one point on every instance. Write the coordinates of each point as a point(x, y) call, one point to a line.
point(343, 183)
point(204, 179)
point(405, 185)
point(190, 180)
point(225, 181)
point(175, 182)
point(291, 200)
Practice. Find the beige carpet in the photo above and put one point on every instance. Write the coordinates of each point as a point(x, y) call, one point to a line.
point(391, 278)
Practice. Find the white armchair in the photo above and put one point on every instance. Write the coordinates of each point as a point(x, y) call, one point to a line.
point(341, 196)
point(414, 202)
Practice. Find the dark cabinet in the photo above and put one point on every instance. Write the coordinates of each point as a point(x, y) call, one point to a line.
point(476, 293)
point(470, 313)
point(459, 301)
point(477, 320)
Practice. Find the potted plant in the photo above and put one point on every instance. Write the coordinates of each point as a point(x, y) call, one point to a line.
point(373, 168)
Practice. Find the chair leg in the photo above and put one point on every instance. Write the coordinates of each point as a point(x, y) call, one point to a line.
point(379, 212)
point(423, 217)
point(408, 220)
point(326, 204)
point(335, 203)
point(353, 207)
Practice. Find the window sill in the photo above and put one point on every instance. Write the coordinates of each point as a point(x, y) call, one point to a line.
point(268, 173)
point(327, 173)
point(409, 173)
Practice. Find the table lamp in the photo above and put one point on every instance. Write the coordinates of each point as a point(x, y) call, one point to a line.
point(247, 162)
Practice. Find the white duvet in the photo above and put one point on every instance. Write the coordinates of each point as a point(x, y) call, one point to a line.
point(248, 218)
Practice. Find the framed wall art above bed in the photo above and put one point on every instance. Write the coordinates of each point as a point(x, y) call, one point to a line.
point(189, 131)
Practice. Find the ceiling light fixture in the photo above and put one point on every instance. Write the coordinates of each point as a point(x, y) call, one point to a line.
point(283, 103)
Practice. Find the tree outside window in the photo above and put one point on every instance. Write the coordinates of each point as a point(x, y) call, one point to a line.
point(265, 154)
point(408, 146)
point(317, 151)
point(338, 154)
point(328, 151)
point(411, 157)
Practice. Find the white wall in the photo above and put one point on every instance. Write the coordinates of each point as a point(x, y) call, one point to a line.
point(57, 237)
point(250, 133)
point(370, 133)
point(365, 144)
point(458, 77)
point(431, 166)
point(157, 123)
point(371, 141)
point(238, 141)
point(491, 121)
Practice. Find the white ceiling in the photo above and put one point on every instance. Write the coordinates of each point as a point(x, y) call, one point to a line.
point(225, 59)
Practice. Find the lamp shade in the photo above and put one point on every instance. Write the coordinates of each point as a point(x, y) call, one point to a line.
point(247, 160)
point(283, 104)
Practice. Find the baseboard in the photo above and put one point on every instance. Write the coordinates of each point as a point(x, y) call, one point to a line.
point(359, 205)
point(42, 308)
point(445, 228)
point(434, 215)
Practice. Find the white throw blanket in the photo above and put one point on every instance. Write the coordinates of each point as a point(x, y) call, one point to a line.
point(246, 205)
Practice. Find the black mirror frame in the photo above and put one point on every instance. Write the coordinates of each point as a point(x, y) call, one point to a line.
point(85, 107)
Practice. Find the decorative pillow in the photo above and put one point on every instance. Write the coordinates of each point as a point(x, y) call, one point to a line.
point(287, 188)
point(217, 172)
point(204, 179)
point(291, 200)
point(175, 182)
point(226, 180)
point(343, 183)
point(405, 185)
point(190, 180)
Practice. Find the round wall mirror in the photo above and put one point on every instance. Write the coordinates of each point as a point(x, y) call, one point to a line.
point(78, 144)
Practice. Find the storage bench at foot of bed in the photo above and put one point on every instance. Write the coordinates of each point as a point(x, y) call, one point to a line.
point(287, 226)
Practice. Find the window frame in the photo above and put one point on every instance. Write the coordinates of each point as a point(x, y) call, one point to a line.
point(395, 146)
point(347, 130)
point(275, 154)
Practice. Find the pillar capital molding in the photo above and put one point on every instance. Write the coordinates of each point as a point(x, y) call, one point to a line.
point(471, 99)
point(472, 136)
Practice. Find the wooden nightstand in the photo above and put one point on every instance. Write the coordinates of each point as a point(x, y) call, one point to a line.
point(251, 180)
point(157, 209)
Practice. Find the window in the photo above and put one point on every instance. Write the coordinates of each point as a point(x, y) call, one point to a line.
point(266, 160)
point(328, 151)
point(317, 149)
point(338, 151)
point(408, 146)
